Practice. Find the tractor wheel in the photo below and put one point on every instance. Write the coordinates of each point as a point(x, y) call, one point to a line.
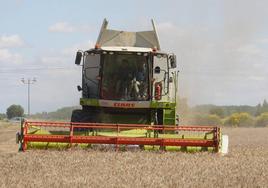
point(76, 116)
point(81, 116)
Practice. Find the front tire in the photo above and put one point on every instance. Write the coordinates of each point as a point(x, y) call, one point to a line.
point(81, 116)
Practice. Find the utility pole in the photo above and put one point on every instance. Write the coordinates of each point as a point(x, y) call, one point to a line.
point(28, 81)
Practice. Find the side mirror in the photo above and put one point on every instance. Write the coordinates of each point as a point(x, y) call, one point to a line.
point(157, 70)
point(79, 88)
point(173, 61)
point(78, 58)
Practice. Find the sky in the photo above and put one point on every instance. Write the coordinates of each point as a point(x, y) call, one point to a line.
point(221, 47)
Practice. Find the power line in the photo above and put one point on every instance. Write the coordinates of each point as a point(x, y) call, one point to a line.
point(16, 70)
point(28, 82)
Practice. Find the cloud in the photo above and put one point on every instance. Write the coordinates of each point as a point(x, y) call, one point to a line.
point(19, 2)
point(257, 78)
point(56, 74)
point(8, 43)
point(6, 56)
point(61, 27)
point(52, 60)
point(60, 76)
point(250, 50)
point(213, 62)
point(62, 57)
point(263, 40)
point(11, 41)
point(70, 51)
point(66, 27)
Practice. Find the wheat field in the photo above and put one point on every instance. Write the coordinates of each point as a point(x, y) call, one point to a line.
point(246, 165)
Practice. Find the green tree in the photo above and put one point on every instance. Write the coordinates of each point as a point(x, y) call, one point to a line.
point(205, 119)
point(64, 113)
point(213, 119)
point(246, 120)
point(217, 111)
point(2, 116)
point(258, 110)
point(14, 111)
point(262, 120)
point(240, 120)
point(232, 120)
point(264, 106)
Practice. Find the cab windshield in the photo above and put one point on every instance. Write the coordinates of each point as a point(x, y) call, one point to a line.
point(125, 77)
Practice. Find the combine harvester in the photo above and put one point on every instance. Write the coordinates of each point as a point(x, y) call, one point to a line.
point(129, 97)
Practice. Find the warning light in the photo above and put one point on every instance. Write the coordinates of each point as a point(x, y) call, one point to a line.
point(97, 46)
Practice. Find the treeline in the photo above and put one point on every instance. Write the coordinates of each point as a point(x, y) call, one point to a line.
point(228, 110)
point(2, 116)
point(231, 116)
point(64, 113)
point(242, 119)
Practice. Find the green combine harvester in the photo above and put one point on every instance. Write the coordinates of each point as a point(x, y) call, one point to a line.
point(129, 98)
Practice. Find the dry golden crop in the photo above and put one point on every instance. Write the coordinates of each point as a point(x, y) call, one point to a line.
point(246, 165)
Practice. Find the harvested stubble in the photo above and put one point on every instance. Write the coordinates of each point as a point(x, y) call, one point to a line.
point(245, 166)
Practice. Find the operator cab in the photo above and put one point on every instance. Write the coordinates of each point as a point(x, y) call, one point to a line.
point(115, 75)
point(123, 75)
